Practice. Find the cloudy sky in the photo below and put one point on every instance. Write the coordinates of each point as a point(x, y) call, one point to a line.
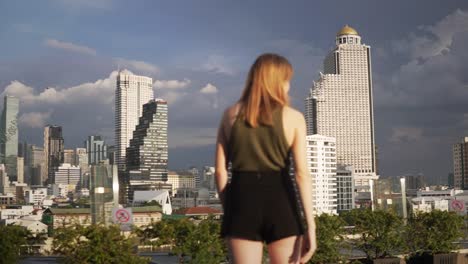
point(60, 57)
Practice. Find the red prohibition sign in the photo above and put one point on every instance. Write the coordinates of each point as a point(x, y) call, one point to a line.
point(457, 205)
point(122, 215)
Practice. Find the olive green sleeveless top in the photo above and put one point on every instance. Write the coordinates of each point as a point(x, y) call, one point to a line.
point(263, 148)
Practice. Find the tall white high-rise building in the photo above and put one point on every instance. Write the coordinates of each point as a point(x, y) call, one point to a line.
point(131, 94)
point(340, 105)
point(321, 161)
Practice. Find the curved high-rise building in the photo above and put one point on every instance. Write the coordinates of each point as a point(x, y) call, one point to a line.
point(132, 93)
point(340, 105)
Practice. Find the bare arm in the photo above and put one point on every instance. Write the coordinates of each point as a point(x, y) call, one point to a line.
point(302, 173)
point(221, 175)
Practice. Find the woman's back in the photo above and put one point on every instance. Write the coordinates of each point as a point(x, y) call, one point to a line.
point(257, 134)
point(263, 148)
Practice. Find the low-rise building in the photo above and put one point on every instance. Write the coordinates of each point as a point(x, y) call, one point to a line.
point(427, 204)
point(61, 217)
point(35, 226)
point(36, 196)
point(180, 180)
point(199, 212)
point(7, 199)
point(16, 211)
point(162, 197)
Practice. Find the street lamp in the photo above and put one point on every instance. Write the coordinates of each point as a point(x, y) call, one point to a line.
point(403, 197)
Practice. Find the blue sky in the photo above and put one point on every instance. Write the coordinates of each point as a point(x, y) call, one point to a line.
point(74, 47)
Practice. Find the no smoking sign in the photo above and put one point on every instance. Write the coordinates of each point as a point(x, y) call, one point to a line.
point(458, 205)
point(122, 216)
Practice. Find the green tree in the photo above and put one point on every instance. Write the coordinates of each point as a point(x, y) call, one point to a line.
point(330, 230)
point(203, 243)
point(433, 232)
point(380, 232)
point(95, 244)
point(159, 233)
point(12, 237)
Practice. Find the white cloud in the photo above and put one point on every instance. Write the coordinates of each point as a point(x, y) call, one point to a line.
point(53, 43)
point(406, 134)
point(35, 119)
point(138, 66)
point(101, 91)
point(171, 84)
point(218, 64)
point(434, 73)
point(209, 89)
point(436, 39)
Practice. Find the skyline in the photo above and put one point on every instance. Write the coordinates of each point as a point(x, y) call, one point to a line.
point(420, 90)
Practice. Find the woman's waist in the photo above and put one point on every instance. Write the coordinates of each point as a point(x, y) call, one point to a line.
point(267, 177)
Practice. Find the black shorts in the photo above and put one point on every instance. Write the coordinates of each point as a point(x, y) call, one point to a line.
point(261, 206)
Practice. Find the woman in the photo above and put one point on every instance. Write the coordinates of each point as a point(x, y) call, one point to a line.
point(256, 135)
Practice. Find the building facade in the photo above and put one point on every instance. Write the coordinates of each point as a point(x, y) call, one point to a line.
point(36, 165)
point(340, 105)
point(321, 161)
point(53, 150)
point(209, 178)
point(9, 135)
point(67, 174)
point(96, 149)
point(460, 164)
point(148, 150)
point(103, 192)
point(131, 94)
point(178, 180)
point(69, 156)
point(20, 170)
point(344, 188)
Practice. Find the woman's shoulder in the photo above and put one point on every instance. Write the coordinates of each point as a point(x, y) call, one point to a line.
point(292, 114)
point(232, 111)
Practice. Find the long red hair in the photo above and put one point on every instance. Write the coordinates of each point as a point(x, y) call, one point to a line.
point(264, 89)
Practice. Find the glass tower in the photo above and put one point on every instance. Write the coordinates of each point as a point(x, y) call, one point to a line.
point(9, 135)
point(54, 150)
point(96, 149)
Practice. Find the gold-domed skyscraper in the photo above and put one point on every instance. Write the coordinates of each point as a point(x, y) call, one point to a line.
point(340, 105)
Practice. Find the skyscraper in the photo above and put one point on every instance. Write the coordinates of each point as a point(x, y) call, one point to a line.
point(460, 164)
point(36, 165)
point(97, 149)
point(53, 150)
point(131, 94)
point(9, 135)
point(147, 154)
point(321, 159)
point(340, 105)
point(69, 156)
point(20, 170)
point(148, 151)
point(103, 192)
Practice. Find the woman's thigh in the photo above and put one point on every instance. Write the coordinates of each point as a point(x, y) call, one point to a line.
point(286, 250)
point(245, 251)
